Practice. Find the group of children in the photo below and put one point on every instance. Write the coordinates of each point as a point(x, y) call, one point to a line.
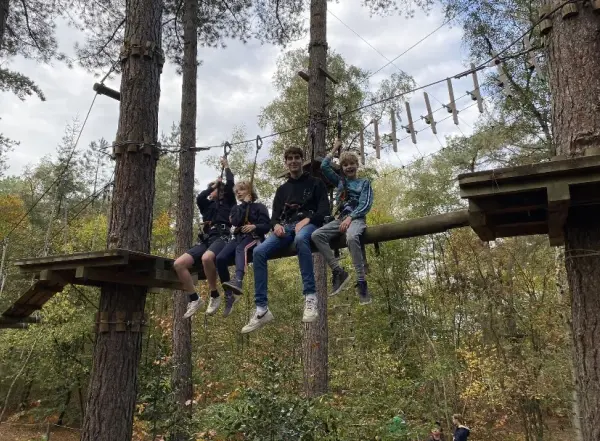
point(301, 214)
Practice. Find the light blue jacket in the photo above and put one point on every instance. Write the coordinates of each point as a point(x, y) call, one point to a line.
point(360, 192)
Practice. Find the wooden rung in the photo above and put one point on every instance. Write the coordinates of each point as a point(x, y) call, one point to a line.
point(394, 137)
point(377, 140)
point(476, 94)
point(452, 106)
point(429, 119)
point(411, 128)
point(362, 146)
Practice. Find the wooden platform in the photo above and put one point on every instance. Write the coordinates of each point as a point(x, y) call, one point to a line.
point(530, 199)
point(53, 273)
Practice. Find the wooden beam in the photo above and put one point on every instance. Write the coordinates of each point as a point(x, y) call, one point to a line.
point(14, 326)
point(101, 89)
point(9, 320)
point(398, 230)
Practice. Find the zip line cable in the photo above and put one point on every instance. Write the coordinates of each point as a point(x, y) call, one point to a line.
point(392, 61)
point(365, 106)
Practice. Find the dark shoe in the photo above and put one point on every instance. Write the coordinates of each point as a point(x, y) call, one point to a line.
point(230, 300)
point(235, 286)
point(339, 280)
point(363, 293)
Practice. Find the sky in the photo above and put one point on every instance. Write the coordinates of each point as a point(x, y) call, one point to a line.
point(235, 83)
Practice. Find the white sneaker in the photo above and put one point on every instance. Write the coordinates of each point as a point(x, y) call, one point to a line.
point(213, 305)
point(193, 306)
point(257, 321)
point(310, 310)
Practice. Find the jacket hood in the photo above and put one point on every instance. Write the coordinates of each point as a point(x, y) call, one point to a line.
point(303, 177)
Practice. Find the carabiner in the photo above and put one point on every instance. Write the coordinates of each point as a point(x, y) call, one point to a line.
point(259, 142)
point(226, 148)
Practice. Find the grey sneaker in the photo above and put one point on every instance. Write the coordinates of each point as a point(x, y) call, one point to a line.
point(193, 307)
point(230, 300)
point(339, 281)
point(234, 285)
point(311, 311)
point(213, 305)
point(257, 321)
point(363, 293)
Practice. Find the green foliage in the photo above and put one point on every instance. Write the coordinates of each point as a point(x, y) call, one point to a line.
point(271, 413)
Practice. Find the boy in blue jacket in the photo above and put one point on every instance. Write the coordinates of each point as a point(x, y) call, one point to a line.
point(354, 198)
point(248, 232)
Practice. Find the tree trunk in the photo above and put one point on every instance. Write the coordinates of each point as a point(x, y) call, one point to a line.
point(182, 328)
point(573, 48)
point(315, 343)
point(113, 382)
point(3, 16)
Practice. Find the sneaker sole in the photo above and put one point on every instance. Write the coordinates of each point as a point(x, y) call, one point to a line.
point(260, 325)
point(185, 316)
point(232, 287)
point(366, 303)
point(341, 288)
point(227, 314)
point(310, 319)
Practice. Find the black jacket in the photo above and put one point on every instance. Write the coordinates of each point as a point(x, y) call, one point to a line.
point(461, 433)
point(258, 215)
point(217, 212)
point(307, 195)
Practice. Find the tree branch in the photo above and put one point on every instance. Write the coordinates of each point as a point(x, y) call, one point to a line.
point(29, 31)
point(279, 20)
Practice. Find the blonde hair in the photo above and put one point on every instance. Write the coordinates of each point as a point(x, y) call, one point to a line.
point(458, 417)
point(348, 158)
point(246, 185)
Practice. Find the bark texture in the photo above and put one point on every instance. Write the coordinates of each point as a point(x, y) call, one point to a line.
point(315, 342)
point(3, 17)
point(182, 328)
point(573, 47)
point(113, 383)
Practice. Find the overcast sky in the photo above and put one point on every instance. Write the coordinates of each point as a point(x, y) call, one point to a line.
point(235, 83)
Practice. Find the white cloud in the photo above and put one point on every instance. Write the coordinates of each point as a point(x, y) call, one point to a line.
point(235, 83)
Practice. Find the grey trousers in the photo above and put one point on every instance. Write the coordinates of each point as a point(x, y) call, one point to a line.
point(323, 236)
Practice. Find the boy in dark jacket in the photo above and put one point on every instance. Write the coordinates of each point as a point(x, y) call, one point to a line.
point(215, 204)
point(299, 208)
point(251, 222)
point(462, 432)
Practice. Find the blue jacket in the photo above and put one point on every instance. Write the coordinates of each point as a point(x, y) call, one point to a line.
point(359, 198)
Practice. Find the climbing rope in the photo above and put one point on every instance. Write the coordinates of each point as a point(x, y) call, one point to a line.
point(226, 151)
point(259, 143)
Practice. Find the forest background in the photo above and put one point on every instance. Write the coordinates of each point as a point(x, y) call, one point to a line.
point(457, 325)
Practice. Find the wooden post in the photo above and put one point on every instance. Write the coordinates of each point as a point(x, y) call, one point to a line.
point(573, 64)
point(112, 387)
point(183, 388)
point(315, 336)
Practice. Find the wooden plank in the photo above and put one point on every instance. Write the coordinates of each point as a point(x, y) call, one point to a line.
point(573, 166)
point(480, 223)
point(84, 274)
point(72, 257)
point(528, 185)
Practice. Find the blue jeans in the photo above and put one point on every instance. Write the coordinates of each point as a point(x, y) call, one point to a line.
point(273, 244)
